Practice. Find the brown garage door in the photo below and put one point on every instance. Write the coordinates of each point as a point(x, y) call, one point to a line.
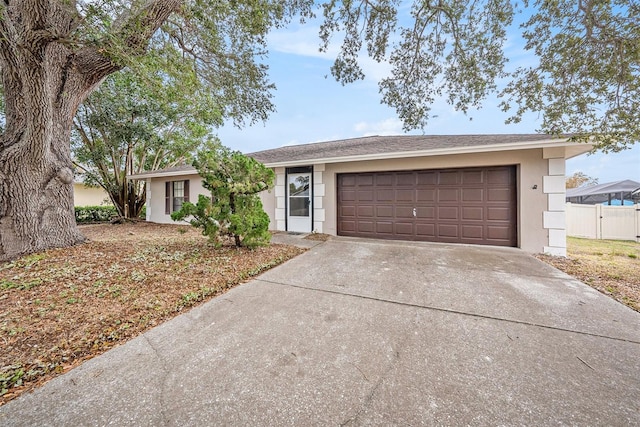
point(474, 205)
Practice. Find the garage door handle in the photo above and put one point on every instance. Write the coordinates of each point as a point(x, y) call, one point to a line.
point(414, 213)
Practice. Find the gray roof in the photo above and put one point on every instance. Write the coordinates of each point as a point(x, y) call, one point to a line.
point(624, 186)
point(380, 146)
point(388, 144)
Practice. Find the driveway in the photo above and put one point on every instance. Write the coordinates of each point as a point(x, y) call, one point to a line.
point(363, 332)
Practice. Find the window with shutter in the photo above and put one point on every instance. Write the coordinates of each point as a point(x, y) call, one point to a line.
point(176, 193)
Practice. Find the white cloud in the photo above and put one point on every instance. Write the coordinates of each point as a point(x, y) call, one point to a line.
point(301, 40)
point(304, 40)
point(390, 126)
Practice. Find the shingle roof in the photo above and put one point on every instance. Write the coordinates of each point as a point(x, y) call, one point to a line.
point(387, 144)
point(379, 147)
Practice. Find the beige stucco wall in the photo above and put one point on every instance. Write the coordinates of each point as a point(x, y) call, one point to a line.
point(156, 197)
point(541, 215)
point(89, 196)
point(534, 168)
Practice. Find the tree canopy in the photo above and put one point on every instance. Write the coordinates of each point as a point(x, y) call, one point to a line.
point(138, 121)
point(580, 179)
point(584, 79)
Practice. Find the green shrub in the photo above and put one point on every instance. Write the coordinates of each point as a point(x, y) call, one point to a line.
point(89, 214)
point(234, 181)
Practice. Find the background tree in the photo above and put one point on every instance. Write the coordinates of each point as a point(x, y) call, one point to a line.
point(234, 208)
point(580, 179)
point(138, 121)
point(53, 53)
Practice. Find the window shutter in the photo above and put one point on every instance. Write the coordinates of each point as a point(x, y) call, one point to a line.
point(167, 197)
point(186, 190)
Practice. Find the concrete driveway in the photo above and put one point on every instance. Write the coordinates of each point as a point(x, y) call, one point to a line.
point(361, 332)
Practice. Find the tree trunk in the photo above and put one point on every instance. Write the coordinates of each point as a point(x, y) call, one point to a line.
point(36, 173)
point(45, 78)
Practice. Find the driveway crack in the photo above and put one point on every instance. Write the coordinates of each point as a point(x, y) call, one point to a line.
point(451, 311)
point(369, 398)
point(163, 380)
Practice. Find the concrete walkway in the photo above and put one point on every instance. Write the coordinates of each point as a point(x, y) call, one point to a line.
point(360, 332)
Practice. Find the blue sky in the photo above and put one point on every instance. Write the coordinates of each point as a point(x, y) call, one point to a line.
point(313, 107)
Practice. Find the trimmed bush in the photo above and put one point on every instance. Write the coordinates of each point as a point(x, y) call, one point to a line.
point(88, 214)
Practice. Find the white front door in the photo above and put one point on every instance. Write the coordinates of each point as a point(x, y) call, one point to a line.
point(299, 202)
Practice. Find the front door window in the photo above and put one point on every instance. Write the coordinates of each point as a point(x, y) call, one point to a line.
point(299, 202)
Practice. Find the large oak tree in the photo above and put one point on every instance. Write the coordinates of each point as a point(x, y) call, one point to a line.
point(53, 53)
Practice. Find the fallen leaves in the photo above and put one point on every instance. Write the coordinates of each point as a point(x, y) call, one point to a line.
point(64, 306)
point(610, 266)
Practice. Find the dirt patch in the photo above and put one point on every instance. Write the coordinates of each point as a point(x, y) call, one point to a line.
point(610, 266)
point(64, 306)
point(320, 237)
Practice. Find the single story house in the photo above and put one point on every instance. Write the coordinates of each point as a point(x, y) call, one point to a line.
point(83, 195)
point(506, 190)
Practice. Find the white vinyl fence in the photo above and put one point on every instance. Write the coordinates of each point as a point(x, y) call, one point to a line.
point(603, 222)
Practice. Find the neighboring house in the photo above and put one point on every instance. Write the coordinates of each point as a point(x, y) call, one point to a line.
point(626, 192)
point(504, 190)
point(89, 196)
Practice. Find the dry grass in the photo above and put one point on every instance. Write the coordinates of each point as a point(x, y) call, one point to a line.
point(610, 266)
point(64, 306)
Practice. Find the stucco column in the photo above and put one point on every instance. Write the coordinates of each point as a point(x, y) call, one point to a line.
point(554, 218)
point(148, 200)
point(318, 197)
point(280, 210)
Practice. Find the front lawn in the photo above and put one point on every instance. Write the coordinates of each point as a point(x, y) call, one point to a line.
point(610, 266)
point(64, 306)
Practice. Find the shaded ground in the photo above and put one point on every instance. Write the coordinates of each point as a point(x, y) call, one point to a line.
point(64, 306)
point(610, 266)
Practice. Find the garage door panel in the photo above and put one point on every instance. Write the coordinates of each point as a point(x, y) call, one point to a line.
point(347, 226)
point(469, 205)
point(404, 228)
point(450, 177)
point(384, 179)
point(473, 232)
point(426, 212)
point(471, 177)
point(385, 195)
point(499, 214)
point(473, 195)
point(366, 226)
point(384, 228)
point(384, 211)
point(426, 230)
point(364, 196)
point(405, 212)
point(426, 196)
point(347, 195)
point(405, 195)
point(500, 176)
point(447, 212)
point(406, 179)
point(427, 178)
point(365, 212)
point(499, 232)
point(499, 195)
point(364, 180)
point(473, 213)
point(448, 194)
point(346, 181)
point(450, 231)
point(348, 211)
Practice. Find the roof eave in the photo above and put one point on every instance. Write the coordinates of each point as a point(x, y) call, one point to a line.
point(161, 174)
point(577, 148)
